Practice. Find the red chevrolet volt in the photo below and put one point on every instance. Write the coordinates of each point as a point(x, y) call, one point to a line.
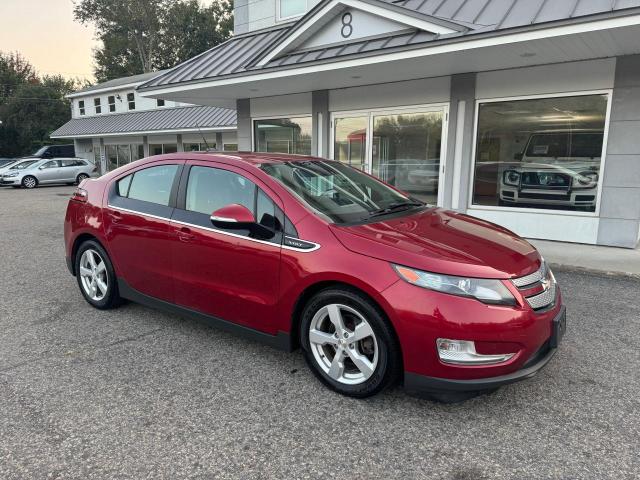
point(373, 285)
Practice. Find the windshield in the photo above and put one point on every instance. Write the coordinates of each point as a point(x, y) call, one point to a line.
point(23, 165)
point(339, 192)
point(40, 152)
point(566, 145)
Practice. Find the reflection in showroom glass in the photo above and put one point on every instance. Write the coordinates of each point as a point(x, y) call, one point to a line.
point(540, 153)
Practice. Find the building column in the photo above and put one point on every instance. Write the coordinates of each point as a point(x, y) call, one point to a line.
point(103, 158)
point(243, 108)
point(219, 142)
point(180, 143)
point(320, 123)
point(619, 224)
point(145, 145)
point(459, 148)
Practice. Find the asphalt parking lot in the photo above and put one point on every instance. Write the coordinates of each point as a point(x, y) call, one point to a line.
point(135, 393)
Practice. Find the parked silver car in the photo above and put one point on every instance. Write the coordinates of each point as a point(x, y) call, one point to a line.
point(43, 172)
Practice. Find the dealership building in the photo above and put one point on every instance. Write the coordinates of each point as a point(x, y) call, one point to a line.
point(112, 124)
point(522, 112)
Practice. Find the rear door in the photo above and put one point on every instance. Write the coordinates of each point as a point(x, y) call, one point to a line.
point(136, 222)
point(230, 274)
point(69, 170)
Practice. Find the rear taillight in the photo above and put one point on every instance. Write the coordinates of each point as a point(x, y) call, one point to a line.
point(95, 169)
point(80, 195)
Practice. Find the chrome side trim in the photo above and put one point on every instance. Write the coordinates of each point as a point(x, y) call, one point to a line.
point(222, 232)
point(135, 212)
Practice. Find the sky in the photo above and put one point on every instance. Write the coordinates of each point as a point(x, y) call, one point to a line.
point(44, 32)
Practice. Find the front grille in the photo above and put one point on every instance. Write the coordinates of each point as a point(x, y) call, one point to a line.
point(543, 299)
point(545, 196)
point(530, 279)
point(540, 278)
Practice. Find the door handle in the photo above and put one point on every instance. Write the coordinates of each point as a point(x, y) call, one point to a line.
point(185, 235)
point(115, 216)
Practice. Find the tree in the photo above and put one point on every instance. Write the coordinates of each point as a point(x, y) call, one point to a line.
point(136, 22)
point(141, 36)
point(14, 71)
point(191, 29)
point(35, 108)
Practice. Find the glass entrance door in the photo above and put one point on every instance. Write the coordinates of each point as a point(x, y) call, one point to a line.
point(350, 140)
point(403, 147)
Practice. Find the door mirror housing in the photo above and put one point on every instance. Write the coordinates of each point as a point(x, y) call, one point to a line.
point(233, 216)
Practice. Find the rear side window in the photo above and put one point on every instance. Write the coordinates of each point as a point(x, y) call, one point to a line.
point(210, 189)
point(151, 184)
point(123, 185)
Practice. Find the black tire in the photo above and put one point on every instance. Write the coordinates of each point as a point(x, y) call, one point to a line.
point(112, 298)
point(389, 360)
point(29, 182)
point(81, 177)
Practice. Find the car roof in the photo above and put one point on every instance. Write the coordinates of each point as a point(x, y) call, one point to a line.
point(239, 158)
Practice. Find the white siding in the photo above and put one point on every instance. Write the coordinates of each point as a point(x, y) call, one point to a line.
point(558, 78)
point(281, 106)
point(396, 94)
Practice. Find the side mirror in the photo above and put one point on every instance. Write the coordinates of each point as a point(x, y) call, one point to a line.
point(518, 157)
point(233, 216)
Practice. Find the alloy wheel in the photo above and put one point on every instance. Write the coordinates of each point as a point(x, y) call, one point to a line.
point(29, 182)
point(93, 273)
point(343, 344)
point(81, 177)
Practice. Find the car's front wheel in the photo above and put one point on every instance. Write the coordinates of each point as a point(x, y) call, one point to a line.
point(29, 182)
point(96, 276)
point(348, 343)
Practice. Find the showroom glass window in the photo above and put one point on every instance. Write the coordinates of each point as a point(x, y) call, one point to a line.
point(542, 153)
point(291, 8)
point(283, 135)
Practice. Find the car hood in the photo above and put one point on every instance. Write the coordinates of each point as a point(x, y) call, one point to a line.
point(443, 241)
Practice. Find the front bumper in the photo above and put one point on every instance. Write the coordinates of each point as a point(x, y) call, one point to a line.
point(9, 181)
point(428, 386)
point(575, 198)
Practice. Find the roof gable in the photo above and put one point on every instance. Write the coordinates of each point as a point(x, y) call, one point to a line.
point(340, 22)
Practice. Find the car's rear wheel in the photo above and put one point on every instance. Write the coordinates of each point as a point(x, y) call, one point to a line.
point(81, 177)
point(96, 276)
point(348, 343)
point(29, 182)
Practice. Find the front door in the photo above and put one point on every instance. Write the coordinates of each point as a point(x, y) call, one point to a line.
point(49, 172)
point(403, 147)
point(231, 274)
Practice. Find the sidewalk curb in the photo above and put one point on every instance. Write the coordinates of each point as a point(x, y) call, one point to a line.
point(594, 271)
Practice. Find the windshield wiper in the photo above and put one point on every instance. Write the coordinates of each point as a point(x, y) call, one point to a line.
point(395, 207)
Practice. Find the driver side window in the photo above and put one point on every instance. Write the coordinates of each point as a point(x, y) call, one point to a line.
point(209, 189)
point(51, 164)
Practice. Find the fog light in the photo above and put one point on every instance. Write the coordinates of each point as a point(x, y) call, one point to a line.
point(463, 352)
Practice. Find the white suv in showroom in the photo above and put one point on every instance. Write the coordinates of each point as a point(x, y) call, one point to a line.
point(557, 168)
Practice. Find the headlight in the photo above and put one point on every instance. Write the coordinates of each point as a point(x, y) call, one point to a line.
point(13, 174)
point(511, 177)
point(588, 179)
point(486, 290)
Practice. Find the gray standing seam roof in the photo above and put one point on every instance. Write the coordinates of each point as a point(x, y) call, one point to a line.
point(238, 55)
point(118, 82)
point(179, 118)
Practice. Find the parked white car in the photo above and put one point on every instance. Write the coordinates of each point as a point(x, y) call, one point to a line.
point(43, 172)
point(557, 168)
point(17, 164)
